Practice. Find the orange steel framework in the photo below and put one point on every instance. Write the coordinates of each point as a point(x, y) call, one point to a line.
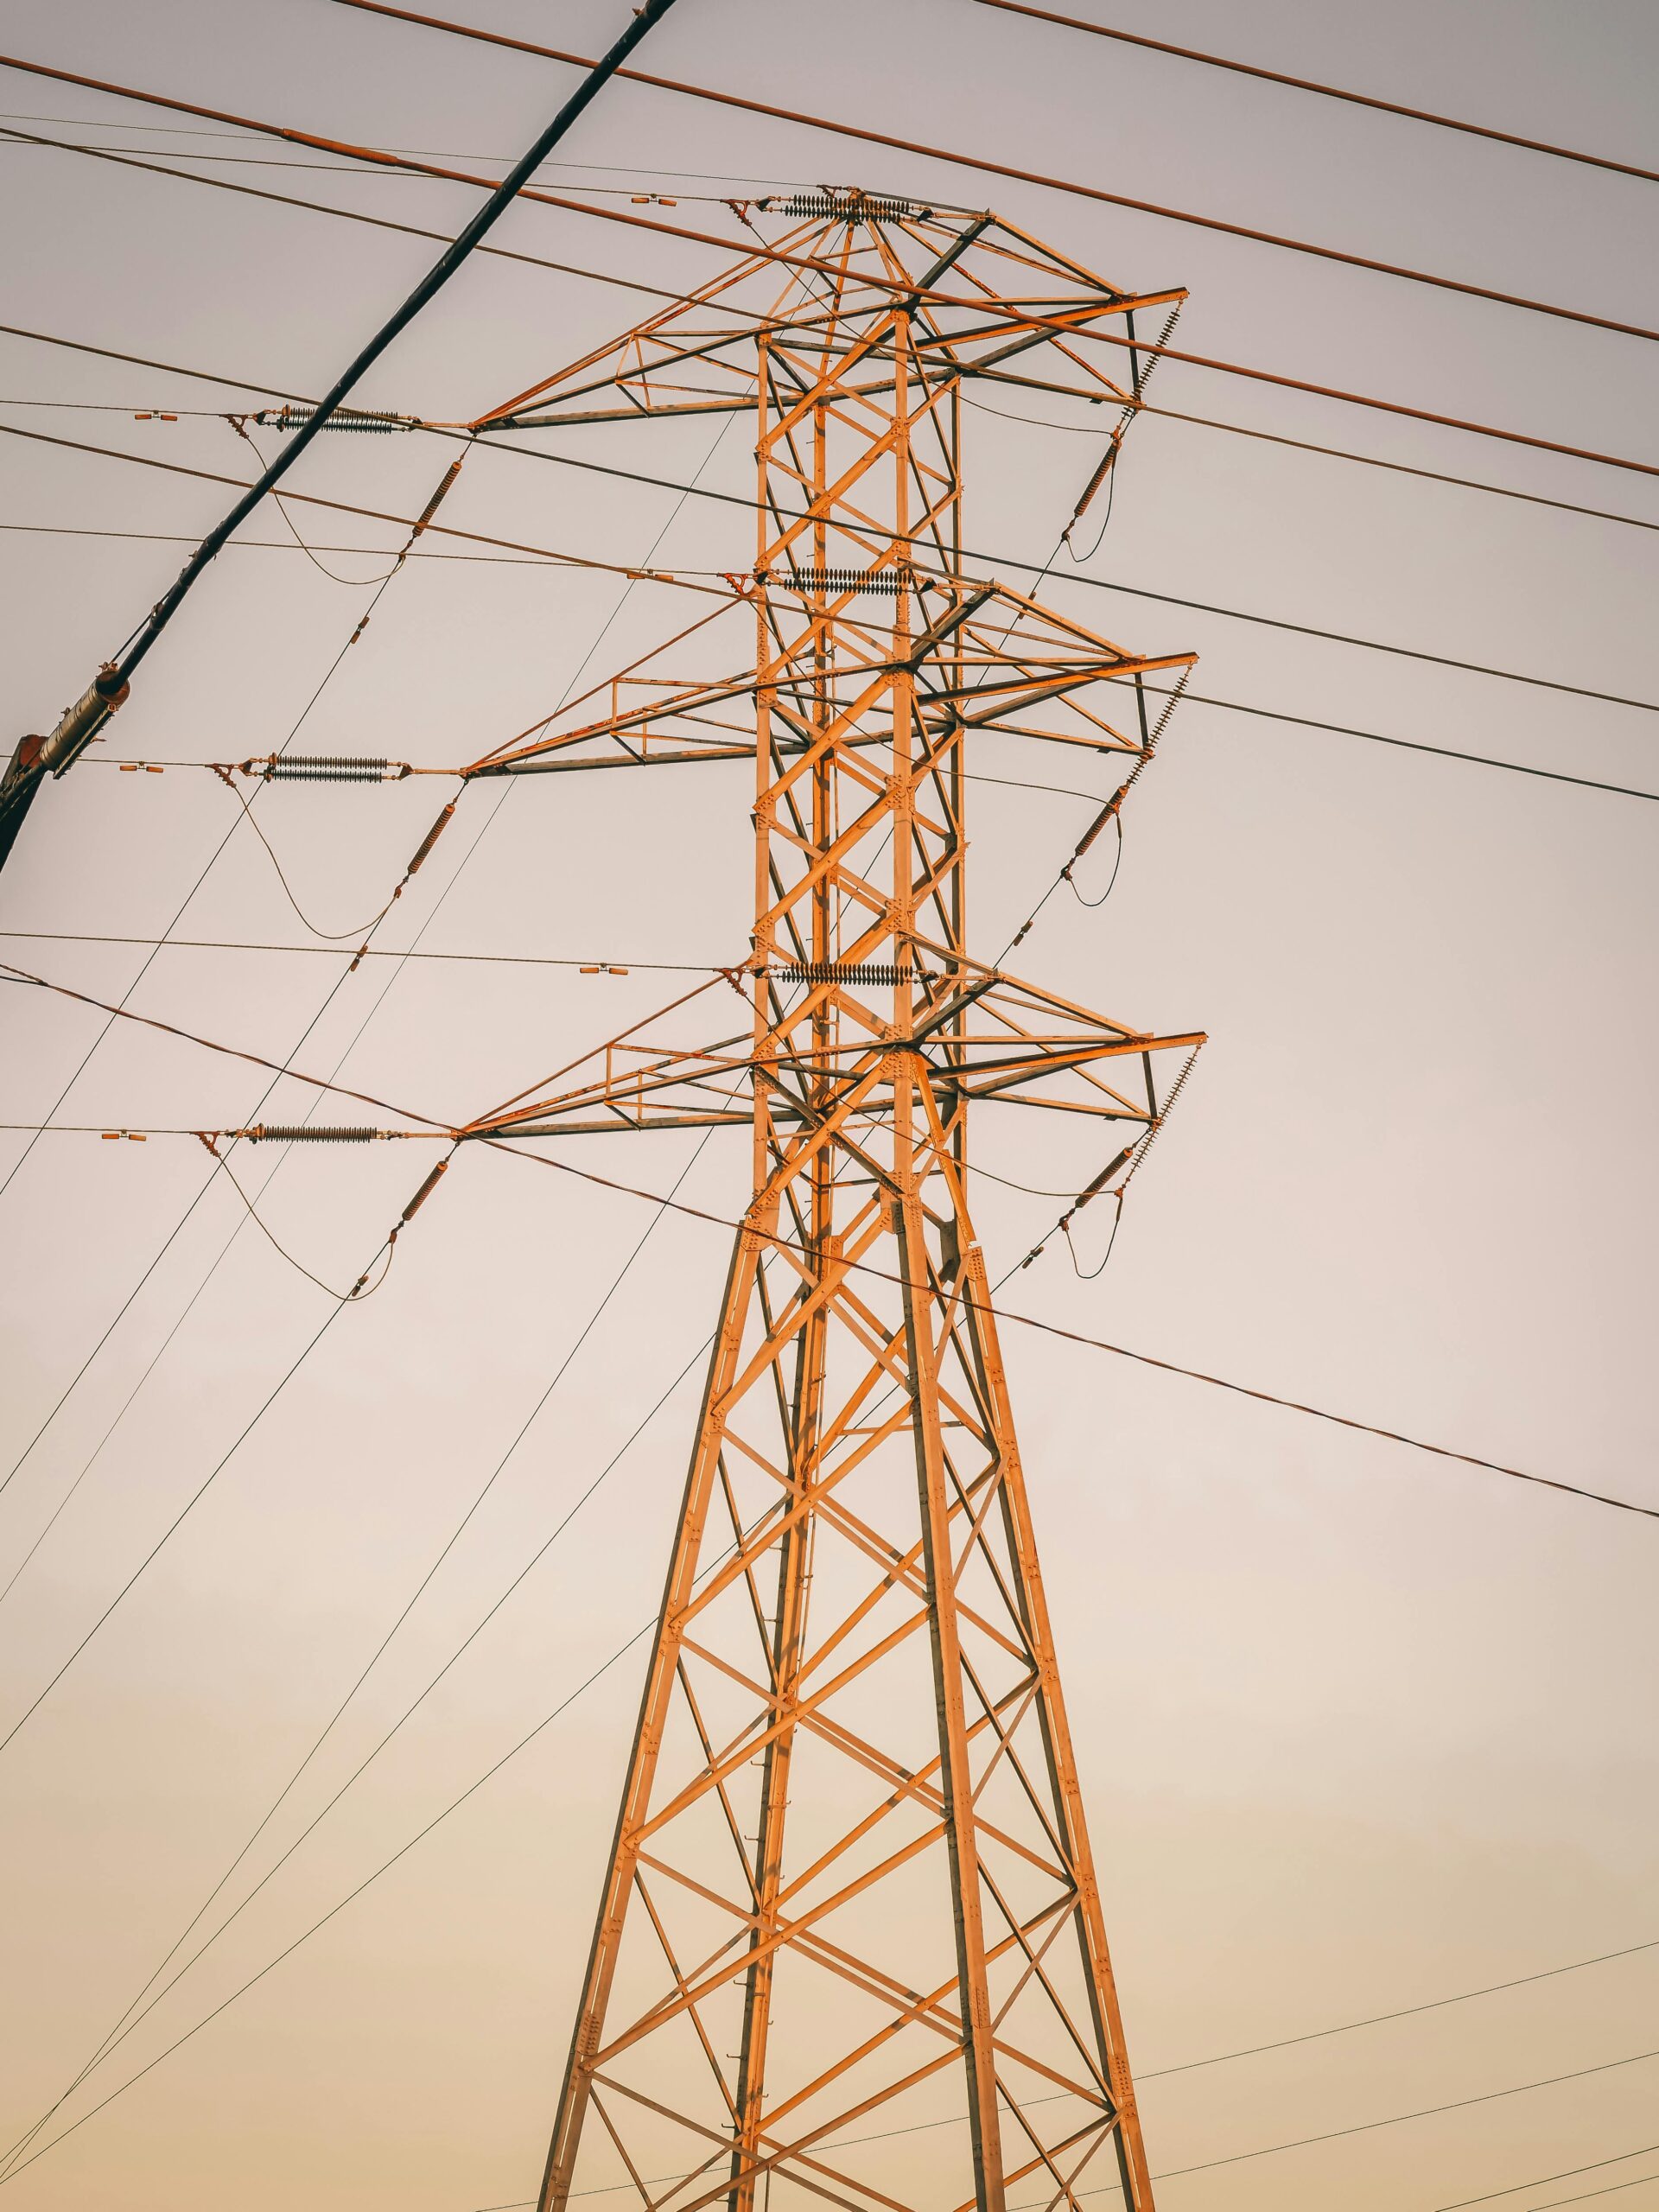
point(851, 1898)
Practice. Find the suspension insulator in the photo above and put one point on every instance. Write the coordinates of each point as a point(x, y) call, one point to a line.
point(343, 418)
point(324, 768)
point(425, 1191)
point(429, 840)
point(309, 1133)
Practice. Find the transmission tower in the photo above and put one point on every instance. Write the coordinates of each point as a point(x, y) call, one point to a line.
point(851, 1948)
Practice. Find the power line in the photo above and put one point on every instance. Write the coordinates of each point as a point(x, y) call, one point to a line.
point(1231, 706)
point(285, 545)
point(1134, 591)
point(138, 361)
point(57, 751)
point(886, 2135)
point(322, 207)
point(645, 20)
point(489, 819)
point(127, 1303)
point(1397, 2119)
point(410, 952)
point(1379, 2124)
point(327, 676)
point(1612, 2189)
point(196, 1495)
point(1076, 190)
point(700, 238)
point(514, 1752)
point(969, 553)
point(17, 141)
point(14, 2169)
point(1004, 415)
point(119, 407)
point(1407, 2012)
point(431, 153)
point(1201, 698)
point(1539, 2180)
point(1409, 745)
point(1395, 468)
point(133, 2015)
point(1162, 2073)
point(377, 952)
point(1326, 92)
point(385, 1867)
point(219, 1163)
point(1265, 438)
point(213, 859)
point(404, 521)
point(1123, 1351)
point(9, 974)
point(1048, 1328)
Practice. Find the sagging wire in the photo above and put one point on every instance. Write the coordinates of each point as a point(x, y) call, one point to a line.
point(240, 424)
point(1132, 1156)
point(1117, 863)
point(202, 1488)
point(364, 930)
point(1110, 812)
point(369, 1281)
point(270, 767)
point(1086, 1197)
point(1028, 1190)
point(358, 930)
point(138, 2010)
point(331, 1085)
point(1094, 1275)
point(223, 1167)
point(1107, 472)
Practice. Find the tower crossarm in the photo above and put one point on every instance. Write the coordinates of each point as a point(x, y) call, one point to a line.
point(696, 356)
point(998, 1056)
point(1008, 657)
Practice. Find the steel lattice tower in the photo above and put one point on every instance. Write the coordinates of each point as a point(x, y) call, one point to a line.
point(851, 1894)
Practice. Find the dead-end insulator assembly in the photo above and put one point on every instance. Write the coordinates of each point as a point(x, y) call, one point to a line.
point(324, 768)
point(887, 583)
point(847, 203)
point(343, 418)
point(311, 1132)
point(841, 971)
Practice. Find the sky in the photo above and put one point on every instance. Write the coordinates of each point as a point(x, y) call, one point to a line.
point(1359, 1728)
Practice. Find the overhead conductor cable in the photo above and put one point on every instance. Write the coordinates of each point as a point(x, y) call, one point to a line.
point(58, 751)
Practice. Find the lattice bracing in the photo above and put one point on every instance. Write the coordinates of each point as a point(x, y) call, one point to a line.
point(851, 1945)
